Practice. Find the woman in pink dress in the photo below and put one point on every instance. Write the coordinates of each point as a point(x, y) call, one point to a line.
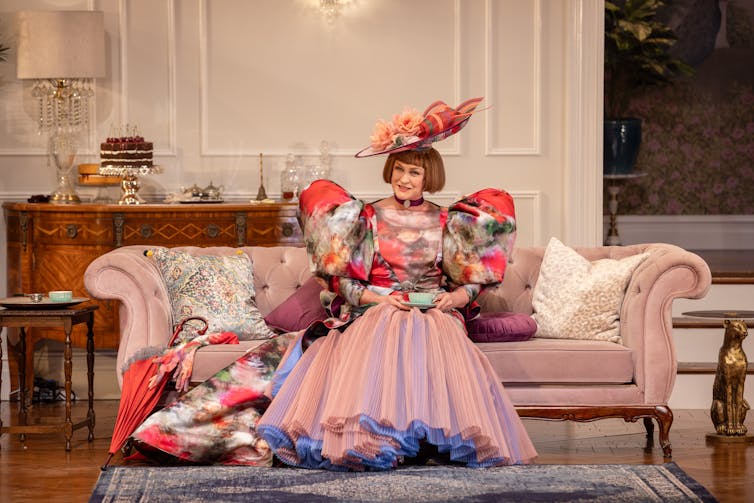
point(390, 375)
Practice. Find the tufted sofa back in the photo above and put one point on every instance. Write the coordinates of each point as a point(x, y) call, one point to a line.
point(515, 292)
point(278, 270)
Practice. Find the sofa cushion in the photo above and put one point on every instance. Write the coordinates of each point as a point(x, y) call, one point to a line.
point(501, 327)
point(560, 361)
point(299, 310)
point(578, 299)
point(217, 288)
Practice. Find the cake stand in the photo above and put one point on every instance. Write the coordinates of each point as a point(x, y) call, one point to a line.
point(130, 183)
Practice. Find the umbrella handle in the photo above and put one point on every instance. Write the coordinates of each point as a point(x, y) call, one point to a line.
point(179, 328)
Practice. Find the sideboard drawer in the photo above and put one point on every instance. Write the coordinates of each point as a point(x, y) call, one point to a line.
point(166, 229)
point(70, 229)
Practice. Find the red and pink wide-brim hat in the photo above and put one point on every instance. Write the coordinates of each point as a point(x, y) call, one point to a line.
point(439, 121)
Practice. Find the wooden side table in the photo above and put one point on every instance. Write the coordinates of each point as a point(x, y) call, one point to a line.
point(67, 319)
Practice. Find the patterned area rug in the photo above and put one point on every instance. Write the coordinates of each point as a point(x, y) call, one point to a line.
point(532, 483)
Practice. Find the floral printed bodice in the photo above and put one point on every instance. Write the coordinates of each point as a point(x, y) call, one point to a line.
point(408, 248)
point(354, 245)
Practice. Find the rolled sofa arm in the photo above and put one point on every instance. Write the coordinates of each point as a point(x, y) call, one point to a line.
point(646, 321)
point(126, 275)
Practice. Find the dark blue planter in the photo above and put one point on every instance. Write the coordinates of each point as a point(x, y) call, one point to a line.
point(622, 140)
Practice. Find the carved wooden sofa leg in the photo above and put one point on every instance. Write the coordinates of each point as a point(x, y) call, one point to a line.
point(661, 413)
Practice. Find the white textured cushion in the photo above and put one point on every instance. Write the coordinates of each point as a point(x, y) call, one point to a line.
point(578, 299)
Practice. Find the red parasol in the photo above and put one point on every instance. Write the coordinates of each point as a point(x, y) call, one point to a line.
point(137, 398)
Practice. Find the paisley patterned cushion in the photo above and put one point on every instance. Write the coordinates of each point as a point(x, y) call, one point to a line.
point(219, 289)
point(578, 299)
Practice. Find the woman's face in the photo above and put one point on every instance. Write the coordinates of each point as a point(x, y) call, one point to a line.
point(407, 180)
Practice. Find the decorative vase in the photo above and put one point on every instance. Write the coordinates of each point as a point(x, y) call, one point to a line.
point(62, 148)
point(622, 138)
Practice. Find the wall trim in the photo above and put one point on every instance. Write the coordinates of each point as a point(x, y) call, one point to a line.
point(489, 34)
point(172, 149)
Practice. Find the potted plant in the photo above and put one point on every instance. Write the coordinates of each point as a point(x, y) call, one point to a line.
point(637, 56)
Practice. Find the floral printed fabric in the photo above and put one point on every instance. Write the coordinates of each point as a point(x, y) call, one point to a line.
point(217, 288)
point(336, 231)
point(216, 421)
point(478, 237)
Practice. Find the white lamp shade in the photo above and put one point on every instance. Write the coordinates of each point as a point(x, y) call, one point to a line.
point(60, 44)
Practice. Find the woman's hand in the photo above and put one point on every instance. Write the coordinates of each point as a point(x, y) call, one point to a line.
point(370, 297)
point(456, 299)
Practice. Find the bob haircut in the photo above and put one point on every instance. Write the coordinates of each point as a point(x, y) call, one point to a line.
point(430, 160)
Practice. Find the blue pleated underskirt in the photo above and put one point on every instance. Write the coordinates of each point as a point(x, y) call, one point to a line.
point(309, 450)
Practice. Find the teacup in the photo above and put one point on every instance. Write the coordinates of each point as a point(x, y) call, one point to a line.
point(61, 296)
point(421, 297)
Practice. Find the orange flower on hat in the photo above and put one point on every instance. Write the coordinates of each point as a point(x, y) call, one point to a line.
point(407, 122)
point(383, 135)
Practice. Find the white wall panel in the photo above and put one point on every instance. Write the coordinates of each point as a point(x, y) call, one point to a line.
point(274, 75)
point(147, 53)
point(513, 54)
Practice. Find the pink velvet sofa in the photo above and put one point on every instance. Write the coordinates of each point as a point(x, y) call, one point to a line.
point(556, 379)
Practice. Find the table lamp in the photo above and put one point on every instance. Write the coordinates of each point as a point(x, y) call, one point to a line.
point(62, 51)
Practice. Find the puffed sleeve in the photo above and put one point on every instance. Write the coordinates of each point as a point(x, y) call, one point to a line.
point(337, 231)
point(478, 237)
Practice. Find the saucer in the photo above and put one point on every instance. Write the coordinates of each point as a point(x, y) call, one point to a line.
point(420, 305)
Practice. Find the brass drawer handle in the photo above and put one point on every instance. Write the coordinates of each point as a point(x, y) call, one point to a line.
point(212, 230)
point(146, 231)
point(287, 230)
point(71, 230)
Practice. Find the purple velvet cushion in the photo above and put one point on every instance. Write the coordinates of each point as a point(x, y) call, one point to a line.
point(299, 310)
point(501, 327)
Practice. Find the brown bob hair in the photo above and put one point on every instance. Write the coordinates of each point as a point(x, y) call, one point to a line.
point(430, 160)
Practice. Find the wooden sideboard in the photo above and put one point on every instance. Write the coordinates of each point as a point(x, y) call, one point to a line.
point(49, 246)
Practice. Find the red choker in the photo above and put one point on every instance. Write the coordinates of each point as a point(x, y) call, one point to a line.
point(407, 203)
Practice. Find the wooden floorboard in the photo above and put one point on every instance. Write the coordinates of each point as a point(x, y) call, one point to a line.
point(41, 470)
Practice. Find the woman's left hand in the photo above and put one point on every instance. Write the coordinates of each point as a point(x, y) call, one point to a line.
point(447, 301)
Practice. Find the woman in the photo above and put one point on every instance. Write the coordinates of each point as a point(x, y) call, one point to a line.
point(387, 378)
point(391, 376)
